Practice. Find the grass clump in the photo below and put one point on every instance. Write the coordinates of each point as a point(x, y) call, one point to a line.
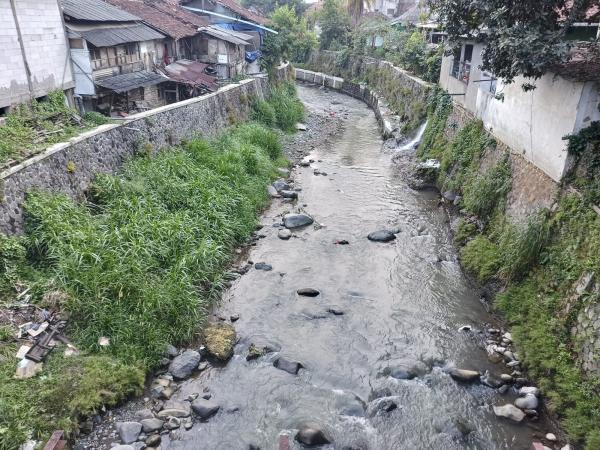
point(481, 257)
point(282, 108)
point(434, 141)
point(485, 191)
point(31, 127)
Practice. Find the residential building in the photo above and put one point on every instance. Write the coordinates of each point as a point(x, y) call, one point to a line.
point(531, 123)
point(34, 55)
point(114, 55)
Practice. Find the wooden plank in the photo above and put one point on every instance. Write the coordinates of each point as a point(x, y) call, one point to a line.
point(56, 442)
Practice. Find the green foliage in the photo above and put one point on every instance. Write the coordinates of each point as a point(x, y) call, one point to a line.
point(67, 389)
point(481, 257)
point(588, 136)
point(433, 143)
point(335, 26)
point(12, 256)
point(31, 127)
point(465, 231)
point(282, 108)
point(95, 118)
point(263, 112)
point(293, 42)
point(593, 440)
point(484, 192)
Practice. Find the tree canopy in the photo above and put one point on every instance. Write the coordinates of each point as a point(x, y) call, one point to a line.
point(524, 37)
point(335, 25)
point(266, 7)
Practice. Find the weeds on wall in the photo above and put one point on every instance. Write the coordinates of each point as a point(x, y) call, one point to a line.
point(139, 264)
point(281, 108)
point(538, 261)
point(31, 127)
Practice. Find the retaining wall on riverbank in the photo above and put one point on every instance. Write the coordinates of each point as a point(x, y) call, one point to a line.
point(405, 95)
point(69, 167)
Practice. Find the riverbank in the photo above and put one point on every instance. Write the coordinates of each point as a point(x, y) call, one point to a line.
point(130, 272)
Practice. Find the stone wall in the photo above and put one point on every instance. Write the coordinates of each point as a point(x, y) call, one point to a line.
point(405, 95)
point(70, 167)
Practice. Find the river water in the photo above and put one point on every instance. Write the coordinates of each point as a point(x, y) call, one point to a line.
point(403, 305)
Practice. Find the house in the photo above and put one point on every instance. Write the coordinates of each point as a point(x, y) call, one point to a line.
point(192, 36)
point(531, 123)
point(113, 55)
point(420, 17)
point(34, 55)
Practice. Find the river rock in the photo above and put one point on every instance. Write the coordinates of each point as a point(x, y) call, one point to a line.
point(530, 401)
point(284, 234)
point(449, 195)
point(283, 171)
point(509, 412)
point(312, 435)
point(335, 311)
point(308, 292)
point(506, 378)
point(381, 236)
point(144, 413)
point(281, 185)
point(205, 408)
point(301, 127)
point(464, 375)
point(456, 429)
point(263, 266)
point(551, 437)
point(304, 164)
point(183, 365)
point(153, 440)
point(287, 365)
point(297, 220)
point(219, 339)
point(171, 351)
point(525, 390)
point(382, 405)
point(173, 423)
point(272, 192)
point(129, 431)
point(289, 194)
point(150, 425)
point(491, 381)
point(122, 447)
point(174, 408)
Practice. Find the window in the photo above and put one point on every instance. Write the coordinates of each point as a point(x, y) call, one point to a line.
point(76, 43)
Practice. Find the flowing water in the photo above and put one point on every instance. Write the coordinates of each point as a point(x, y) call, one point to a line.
point(403, 305)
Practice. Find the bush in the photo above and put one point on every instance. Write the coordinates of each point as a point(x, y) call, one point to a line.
point(481, 257)
point(484, 193)
point(95, 118)
point(263, 112)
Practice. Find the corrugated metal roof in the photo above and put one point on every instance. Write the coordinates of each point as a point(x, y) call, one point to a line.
point(192, 73)
point(227, 35)
point(128, 81)
point(95, 11)
point(106, 37)
point(244, 12)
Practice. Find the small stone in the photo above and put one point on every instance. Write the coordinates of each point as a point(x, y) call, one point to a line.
point(145, 413)
point(153, 440)
point(503, 389)
point(301, 127)
point(263, 266)
point(171, 351)
point(506, 378)
point(525, 390)
point(183, 365)
point(284, 234)
point(234, 317)
point(173, 423)
point(281, 185)
point(381, 236)
point(150, 425)
point(287, 365)
point(283, 172)
point(464, 375)
point(129, 431)
point(312, 435)
point(254, 353)
point(510, 412)
point(272, 192)
point(203, 366)
point(166, 393)
point(304, 164)
point(551, 437)
point(205, 408)
point(465, 328)
point(289, 194)
point(308, 292)
point(27, 369)
point(335, 311)
point(530, 401)
point(175, 409)
point(219, 339)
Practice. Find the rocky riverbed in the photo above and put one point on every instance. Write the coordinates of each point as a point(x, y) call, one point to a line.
point(347, 323)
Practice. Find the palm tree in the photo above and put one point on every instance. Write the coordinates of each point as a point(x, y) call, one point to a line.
point(356, 8)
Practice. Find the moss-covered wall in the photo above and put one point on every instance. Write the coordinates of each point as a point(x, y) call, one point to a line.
point(537, 246)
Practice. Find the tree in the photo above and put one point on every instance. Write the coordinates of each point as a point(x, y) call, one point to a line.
point(335, 26)
point(523, 38)
point(293, 42)
point(266, 7)
point(356, 8)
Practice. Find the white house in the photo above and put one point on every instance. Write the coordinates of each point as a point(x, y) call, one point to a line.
point(34, 55)
point(531, 123)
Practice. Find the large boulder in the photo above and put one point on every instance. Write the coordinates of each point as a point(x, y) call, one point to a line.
point(150, 425)
point(297, 220)
point(174, 408)
point(129, 431)
point(381, 236)
point(183, 365)
point(464, 375)
point(205, 408)
point(509, 412)
point(219, 339)
point(529, 401)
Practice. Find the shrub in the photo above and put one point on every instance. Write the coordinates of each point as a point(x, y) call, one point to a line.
point(481, 257)
point(95, 118)
point(263, 111)
point(289, 110)
point(484, 192)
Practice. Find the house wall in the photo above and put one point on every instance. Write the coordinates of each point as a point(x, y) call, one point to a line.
point(532, 123)
point(46, 50)
point(106, 148)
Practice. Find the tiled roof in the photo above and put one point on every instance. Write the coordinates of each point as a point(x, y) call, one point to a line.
point(584, 64)
point(95, 11)
point(161, 17)
point(128, 81)
point(107, 37)
point(245, 13)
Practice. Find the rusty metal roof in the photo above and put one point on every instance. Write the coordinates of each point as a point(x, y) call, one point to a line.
point(95, 11)
point(106, 37)
point(192, 73)
point(128, 81)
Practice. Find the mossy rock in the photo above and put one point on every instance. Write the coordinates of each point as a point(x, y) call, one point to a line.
point(219, 339)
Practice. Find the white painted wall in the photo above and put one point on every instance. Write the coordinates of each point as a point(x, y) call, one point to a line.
point(530, 123)
point(46, 50)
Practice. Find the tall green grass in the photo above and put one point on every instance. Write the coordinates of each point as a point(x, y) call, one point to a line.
point(281, 108)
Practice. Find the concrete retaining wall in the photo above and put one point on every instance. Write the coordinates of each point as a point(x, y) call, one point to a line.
point(70, 167)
